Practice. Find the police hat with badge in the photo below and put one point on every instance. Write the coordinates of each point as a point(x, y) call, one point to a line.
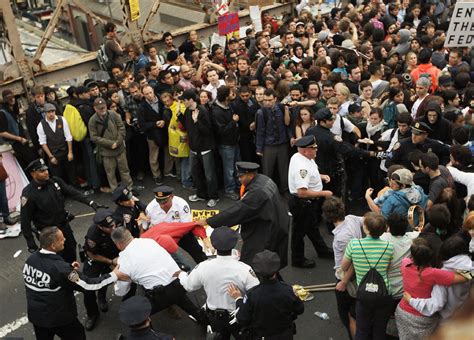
point(36, 165)
point(162, 193)
point(224, 239)
point(104, 219)
point(121, 194)
point(419, 128)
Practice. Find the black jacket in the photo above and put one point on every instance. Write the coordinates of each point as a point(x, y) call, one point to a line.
point(246, 117)
point(50, 283)
point(263, 218)
point(147, 118)
point(270, 310)
point(84, 107)
point(200, 133)
point(126, 217)
point(225, 128)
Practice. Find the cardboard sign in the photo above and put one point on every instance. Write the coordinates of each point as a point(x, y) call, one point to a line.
point(461, 28)
point(228, 23)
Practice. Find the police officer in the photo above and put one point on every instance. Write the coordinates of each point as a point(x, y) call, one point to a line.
point(270, 308)
point(169, 208)
point(130, 211)
point(135, 313)
point(50, 283)
point(101, 254)
point(419, 141)
point(306, 187)
point(214, 275)
point(42, 203)
point(332, 150)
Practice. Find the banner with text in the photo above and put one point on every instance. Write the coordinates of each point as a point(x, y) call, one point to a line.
point(461, 28)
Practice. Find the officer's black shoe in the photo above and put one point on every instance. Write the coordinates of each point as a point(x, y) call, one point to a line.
point(103, 306)
point(90, 322)
point(327, 254)
point(304, 264)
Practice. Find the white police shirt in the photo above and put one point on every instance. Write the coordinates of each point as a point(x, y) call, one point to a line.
point(214, 275)
point(179, 212)
point(146, 263)
point(303, 173)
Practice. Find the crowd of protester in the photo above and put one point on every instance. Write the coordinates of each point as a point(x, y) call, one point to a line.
point(191, 112)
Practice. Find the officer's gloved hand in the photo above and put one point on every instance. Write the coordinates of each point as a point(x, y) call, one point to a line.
point(32, 247)
point(96, 206)
point(381, 155)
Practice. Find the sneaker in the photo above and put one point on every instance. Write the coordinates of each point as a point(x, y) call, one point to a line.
point(158, 181)
point(170, 175)
point(212, 202)
point(232, 195)
point(195, 198)
point(105, 190)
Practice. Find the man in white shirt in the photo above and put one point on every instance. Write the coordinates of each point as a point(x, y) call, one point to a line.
point(214, 82)
point(215, 275)
point(306, 187)
point(146, 263)
point(55, 139)
point(169, 208)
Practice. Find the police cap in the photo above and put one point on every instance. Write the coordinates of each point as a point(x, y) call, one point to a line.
point(49, 107)
point(306, 142)
point(246, 167)
point(121, 193)
point(266, 263)
point(135, 310)
point(104, 218)
point(224, 238)
point(324, 114)
point(162, 192)
point(36, 165)
point(420, 127)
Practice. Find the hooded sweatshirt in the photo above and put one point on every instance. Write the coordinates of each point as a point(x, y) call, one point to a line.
point(441, 129)
point(404, 43)
point(399, 201)
point(446, 300)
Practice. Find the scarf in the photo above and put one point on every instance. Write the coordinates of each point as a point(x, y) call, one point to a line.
point(373, 129)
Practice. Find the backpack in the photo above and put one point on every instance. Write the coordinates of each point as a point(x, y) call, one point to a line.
point(389, 115)
point(76, 124)
point(103, 59)
point(372, 290)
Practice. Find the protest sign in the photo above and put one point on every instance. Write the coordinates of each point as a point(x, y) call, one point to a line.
point(461, 28)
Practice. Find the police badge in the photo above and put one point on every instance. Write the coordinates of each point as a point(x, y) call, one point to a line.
point(73, 276)
point(127, 218)
point(303, 173)
point(24, 200)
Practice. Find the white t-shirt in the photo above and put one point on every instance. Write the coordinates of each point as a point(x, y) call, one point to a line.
point(336, 127)
point(303, 173)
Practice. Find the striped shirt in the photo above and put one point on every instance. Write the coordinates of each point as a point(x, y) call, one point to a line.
point(373, 248)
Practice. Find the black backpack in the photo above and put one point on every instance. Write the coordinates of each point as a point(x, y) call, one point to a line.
point(103, 59)
point(372, 290)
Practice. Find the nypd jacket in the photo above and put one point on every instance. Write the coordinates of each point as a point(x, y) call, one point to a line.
point(50, 283)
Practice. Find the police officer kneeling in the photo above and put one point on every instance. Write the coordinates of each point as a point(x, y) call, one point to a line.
point(50, 284)
point(101, 254)
point(306, 187)
point(135, 313)
point(270, 308)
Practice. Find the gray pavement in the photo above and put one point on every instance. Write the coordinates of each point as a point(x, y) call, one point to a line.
point(13, 301)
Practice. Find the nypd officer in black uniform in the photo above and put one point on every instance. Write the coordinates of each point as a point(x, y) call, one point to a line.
point(42, 203)
point(50, 283)
point(101, 253)
point(135, 313)
point(269, 309)
point(332, 151)
point(130, 212)
point(419, 141)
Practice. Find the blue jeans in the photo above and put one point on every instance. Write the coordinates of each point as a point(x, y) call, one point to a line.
point(229, 154)
point(4, 210)
point(185, 166)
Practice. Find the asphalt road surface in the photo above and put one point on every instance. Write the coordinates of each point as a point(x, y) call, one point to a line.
point(14, 325)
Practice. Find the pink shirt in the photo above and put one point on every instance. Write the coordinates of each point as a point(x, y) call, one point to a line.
point(421, 288)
